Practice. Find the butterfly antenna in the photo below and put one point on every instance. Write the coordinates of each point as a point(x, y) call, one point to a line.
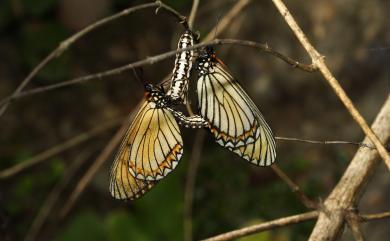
point(139, 75)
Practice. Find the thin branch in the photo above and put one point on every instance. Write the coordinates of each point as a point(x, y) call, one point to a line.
point(295, 188)
point(359, 144)
point(85, 180)
point(54, 195)
point(281, 222)
point(64, 45)
point(319, 61)
point(353, 222)
point(347, 192)
point(284, 222)
point(226, 20)
point(192, 169)
point(181, 19)
point(157, 58)
point(373, 217)
point(194, 10)
point(11, 171)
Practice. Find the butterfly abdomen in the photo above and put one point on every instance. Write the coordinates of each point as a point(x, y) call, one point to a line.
point(181, 71)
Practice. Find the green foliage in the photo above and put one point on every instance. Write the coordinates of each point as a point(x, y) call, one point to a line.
point(5, 13)
point(37, 43)
point(85, 226)
point(38, 8)
point(122, 226)
point(157, 216)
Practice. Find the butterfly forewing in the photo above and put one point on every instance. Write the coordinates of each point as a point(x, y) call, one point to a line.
point(149, 151)
point(235, 121)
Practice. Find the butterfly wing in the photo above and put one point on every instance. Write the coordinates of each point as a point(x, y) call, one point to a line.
point(235, 121)
point(153, 144)
point(123, 185)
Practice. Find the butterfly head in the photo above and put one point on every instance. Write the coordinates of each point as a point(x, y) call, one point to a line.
point(205, 60)
point(156, 95)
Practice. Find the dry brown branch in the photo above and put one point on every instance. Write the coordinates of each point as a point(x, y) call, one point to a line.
point(325, 142)
point(11, 171)
point(353, 223)
point(103, 156)
point(294, 187)
point(64, 45)
point(319, 61)
point(346, 193)
point(281, 222)
point(193, 164)
point(285, 222)
point(154, 59)
point(226, 20)
point(54, 195)
point(194, 10)
point(377, 216)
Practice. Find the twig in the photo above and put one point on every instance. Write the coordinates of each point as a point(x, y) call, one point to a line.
point(157, 58)
point(193, 165)
point(353, 222)
point(64, 45)
point(348, 190)
point(360, 144)
point(284, 222)
point(281, 222)
point(226, 20)
point(295, 188)
point(54, 195)
point(194, 10)
point(319, 61)
point(11, 171)
point(376, 216)
point(181, 19)
point(84, 181)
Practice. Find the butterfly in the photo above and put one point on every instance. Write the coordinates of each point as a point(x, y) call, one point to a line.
point(151, 148)
point(233, 118)
point(182, 69)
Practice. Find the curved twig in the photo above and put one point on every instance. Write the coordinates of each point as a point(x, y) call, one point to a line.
point(319, 62)
point(64, 45)
point(13, 170)
point(281, 222)
point(157, 58)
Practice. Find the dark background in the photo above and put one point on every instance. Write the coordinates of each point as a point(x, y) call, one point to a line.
point(353, 35)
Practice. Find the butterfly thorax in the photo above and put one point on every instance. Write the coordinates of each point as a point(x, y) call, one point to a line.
point(206, 61)
point(156, 96)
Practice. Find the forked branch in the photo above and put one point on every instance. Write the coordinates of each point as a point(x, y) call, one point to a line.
point(319, 62)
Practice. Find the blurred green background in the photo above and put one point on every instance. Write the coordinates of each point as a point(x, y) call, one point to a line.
point(229, 193)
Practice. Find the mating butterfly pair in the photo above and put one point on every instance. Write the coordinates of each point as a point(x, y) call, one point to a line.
point(152, 146)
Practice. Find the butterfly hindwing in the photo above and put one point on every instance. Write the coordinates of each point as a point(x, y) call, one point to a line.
point(235, 121)
point(123, 185)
